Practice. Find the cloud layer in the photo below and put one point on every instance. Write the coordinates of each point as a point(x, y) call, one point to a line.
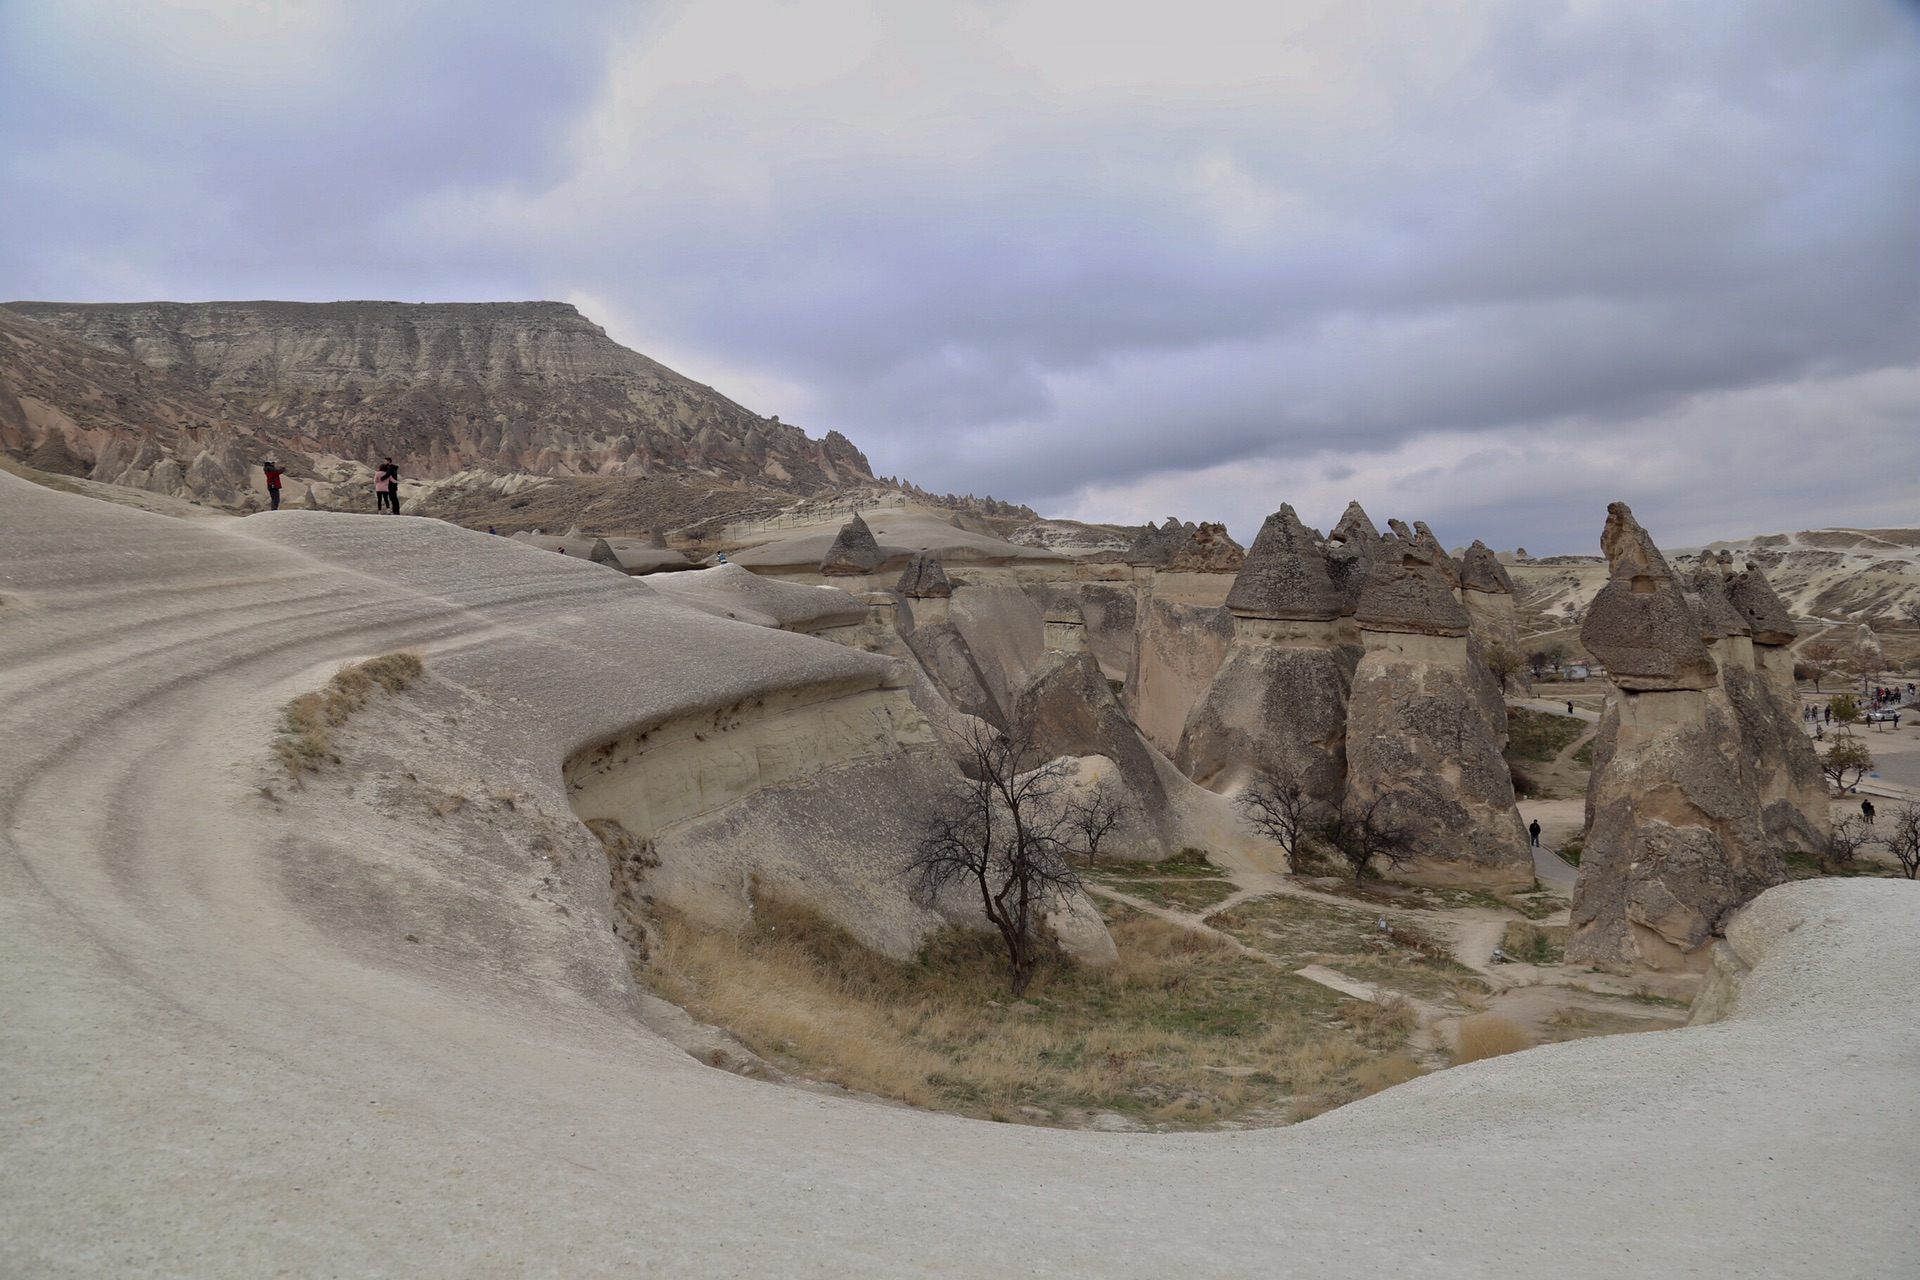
point(1490, 264)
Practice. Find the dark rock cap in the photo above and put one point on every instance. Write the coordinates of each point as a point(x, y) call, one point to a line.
point(1207, 549)
point(657, 538)
point(1481, 570)
point(1761, 606)
point(1285, 574)
point(1718, 617)
point(1406, 591)
point(1445, 563)
point(1640, 626)
point(1349, 550)
point(1066, 610)
point(601, 553)
point(854, 552)
point(1156, 544)
point(924, 579)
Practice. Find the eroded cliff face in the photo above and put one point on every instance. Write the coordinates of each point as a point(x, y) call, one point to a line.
point(443, 387)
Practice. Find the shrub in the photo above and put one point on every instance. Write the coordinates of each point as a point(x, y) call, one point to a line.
point(305, 740)
point(1535, 943)
point(1488, 1035)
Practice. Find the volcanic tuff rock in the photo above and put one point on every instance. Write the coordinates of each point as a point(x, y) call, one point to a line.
point(1350, 550)
point(854, 552)
point(1766, 614)
point(1424, 727)
point(1640, 626)
point(1482, 571)
point(1406, 591)
point(924, 579)
point(511, 386)
point(1207, 549)
point(1675, 834)
point(1285, 574)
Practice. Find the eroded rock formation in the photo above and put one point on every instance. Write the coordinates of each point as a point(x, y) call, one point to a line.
point(1278, 703)
point(854, 553)
point(1418, 741)
point(1675, 838)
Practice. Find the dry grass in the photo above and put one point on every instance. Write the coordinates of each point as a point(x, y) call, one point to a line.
point(305, 742)
point(1488, 1035)
point(1300, 932)
point(1535, 943)
point(1186, 1031)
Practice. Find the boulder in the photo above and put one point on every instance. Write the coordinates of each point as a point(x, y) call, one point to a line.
point(854, 552)
point(924, 579)
point(1207, 549)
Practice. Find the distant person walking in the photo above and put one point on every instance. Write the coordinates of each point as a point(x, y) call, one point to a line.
point(1533, 829)
point(1866, 811)
point(386, 487)
point(1569, 707)
point(274, 473)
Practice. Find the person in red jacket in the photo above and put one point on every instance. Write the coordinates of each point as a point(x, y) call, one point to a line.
point(274, 473)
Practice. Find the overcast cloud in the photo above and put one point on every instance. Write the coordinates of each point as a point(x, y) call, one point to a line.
point(1488, 264)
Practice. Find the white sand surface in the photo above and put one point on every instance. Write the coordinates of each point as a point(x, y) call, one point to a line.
point(220, 1057)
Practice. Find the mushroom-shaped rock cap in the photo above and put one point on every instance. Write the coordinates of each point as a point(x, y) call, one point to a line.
point(1207, 549)
point(1065, 611)
point(1761, 606)
point(657, 538)
point(1406, 591)
point(924, 579)
point(1481, 570)
point(1718, 617)
point(854, 551)
point(1445, 563)
point(1285, 575)
point(1157, 543)
point(601, 553)
point(1356, 528)
point(1640, 626)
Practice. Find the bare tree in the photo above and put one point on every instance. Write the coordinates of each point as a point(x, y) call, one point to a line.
point(1903, 840)
point(1843, 843)
point(1281, 809)
point(1910, 610)
point(1006, 829)
point(1364, 834)
point(1094, 815)
point(1505, 664)
point(1817, 660)
point(1845, 763)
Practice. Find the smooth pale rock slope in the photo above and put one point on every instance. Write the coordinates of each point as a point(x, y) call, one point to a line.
point(222, 1056)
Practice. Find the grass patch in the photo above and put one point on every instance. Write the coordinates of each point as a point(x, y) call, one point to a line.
point(1189, 863)
point(1185, 1032)
point(304, 742)
point(1570, 851)
point(1488, 1035)
point(1534, 906)
point(1299, 932)
point(1584, 757)
point(1535, 944)
point(1579, 1024)
point(1185, 882)
point(1540, 736)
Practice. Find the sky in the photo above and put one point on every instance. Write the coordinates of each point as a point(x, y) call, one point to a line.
point(1489, 264)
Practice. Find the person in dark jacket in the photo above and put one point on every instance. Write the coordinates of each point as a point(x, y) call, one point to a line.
point(274, 473)
point(386, 487)
point(1533, 830)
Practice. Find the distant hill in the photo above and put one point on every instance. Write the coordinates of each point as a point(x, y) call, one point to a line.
point(511, 388)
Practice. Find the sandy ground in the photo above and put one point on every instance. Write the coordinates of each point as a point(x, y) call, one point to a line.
point(220, 1055)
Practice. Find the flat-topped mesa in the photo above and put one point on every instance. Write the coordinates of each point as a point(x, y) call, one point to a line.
point(1207, 549)
point(1640, 626)
point(855, 552)
point(1284, 580)
point(1349, 551)
point(1066, 626)
point(1755, 598)
point(1406, 592)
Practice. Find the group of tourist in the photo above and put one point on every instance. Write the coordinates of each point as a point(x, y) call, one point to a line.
point(386, 486)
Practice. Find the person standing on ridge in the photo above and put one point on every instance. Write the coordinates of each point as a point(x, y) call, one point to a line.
point(274, 473)
point(386, 487)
